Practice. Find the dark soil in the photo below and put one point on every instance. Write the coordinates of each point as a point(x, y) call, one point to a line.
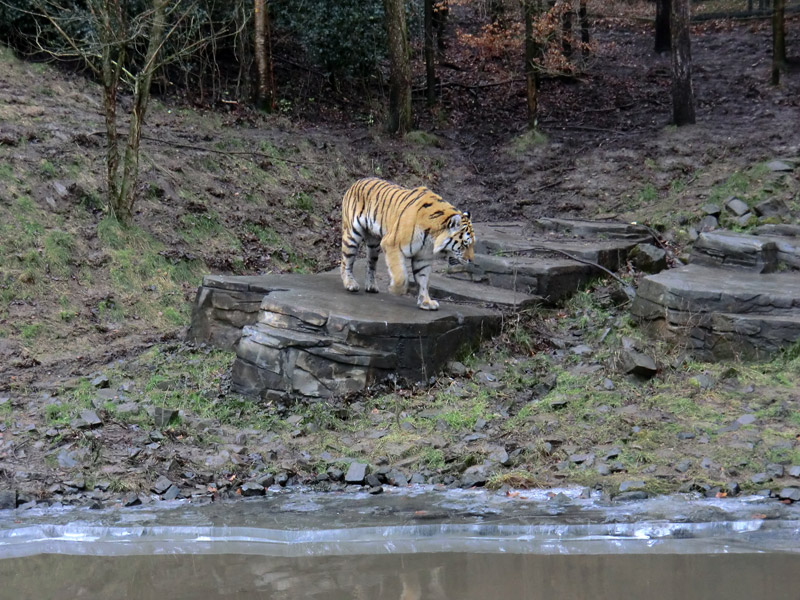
point(610, 154)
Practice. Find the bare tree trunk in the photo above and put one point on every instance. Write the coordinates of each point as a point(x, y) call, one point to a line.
point(123, 205)
point(778, 40)
point(531, 8)
point(265, 94)
point(440, 12)
point(430, 67)
point(566, 30)
point(399, 66)
point(583, 16)
point(682, 92)
point(663, 37)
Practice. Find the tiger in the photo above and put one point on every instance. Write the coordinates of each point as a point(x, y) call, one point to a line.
point(404, 223)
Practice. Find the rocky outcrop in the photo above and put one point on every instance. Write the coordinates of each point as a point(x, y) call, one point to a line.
point(739, 297)
point(305, 336)
point(315, 340)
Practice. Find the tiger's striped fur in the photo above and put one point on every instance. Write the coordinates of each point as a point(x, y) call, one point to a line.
point(404, 223)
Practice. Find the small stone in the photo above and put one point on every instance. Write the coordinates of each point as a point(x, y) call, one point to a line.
point(375, 490)
point(612, 453)
point(779, 166)
point(267, 479)
point(335, 474)
point(90, 418)
point(8, 499)
point(608, 385)
point(172, 492)
point(790, 493)
point(579, 459)
point(66, 460)
point(648, 258)
point(736, 206)
point(711, 209)
point(356, 473)
point(161, 485)
point(760, 478)
point(732, 488)
point(294, 419)
point(372, 480)
point(101, 381)
point(637, 363)
point(745, 220)
point(126, 409)
point(774, 470)
point(683, 466)
point(162, 416)
point(474, 476)
point(131, 499)
point(252, 488)
point(582, 350)
point(397, 478)
point(559, 403)
point(417, 479)
point(456, 369)
point(630, 485)
point(774, 207)
point(702, 381)
point(746, 419)
point(794, 471)
point(602, 469)
point(707, 223)
point(685, 435)
point(631, 496)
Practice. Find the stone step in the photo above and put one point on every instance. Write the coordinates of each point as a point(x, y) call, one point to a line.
point(760, 253)
point(754, 312)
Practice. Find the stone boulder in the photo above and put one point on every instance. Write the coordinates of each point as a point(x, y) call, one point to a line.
point(314, 339)
point(722, 313)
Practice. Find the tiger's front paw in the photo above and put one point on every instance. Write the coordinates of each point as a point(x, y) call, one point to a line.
point(398, 289)
point(372, 289)
point(427, 304)
point(350, 284)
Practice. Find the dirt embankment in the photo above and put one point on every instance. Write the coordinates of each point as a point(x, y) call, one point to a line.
point(243, 193)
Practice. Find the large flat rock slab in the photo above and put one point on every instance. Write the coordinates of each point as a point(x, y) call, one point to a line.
point(723, 312)
point(223, 305)
point(759, 253)
point(314, 339)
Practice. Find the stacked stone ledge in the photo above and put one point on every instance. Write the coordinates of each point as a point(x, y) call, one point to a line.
point(738, 298)
point(304, 336)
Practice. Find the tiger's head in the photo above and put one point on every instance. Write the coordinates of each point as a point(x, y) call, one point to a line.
point(458, 240)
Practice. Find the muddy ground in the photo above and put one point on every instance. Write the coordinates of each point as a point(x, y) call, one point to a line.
point(92, 316)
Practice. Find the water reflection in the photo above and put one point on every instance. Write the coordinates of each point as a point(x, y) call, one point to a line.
point(436, 576)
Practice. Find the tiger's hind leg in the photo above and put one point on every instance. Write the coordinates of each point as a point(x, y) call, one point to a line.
point(422, 270)
point(373, 252)
point(398, 276)
point(350, 245)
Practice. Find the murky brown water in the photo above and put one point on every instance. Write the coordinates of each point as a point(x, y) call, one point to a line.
point(439, 576)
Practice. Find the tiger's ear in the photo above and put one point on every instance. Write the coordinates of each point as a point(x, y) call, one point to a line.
point(454, 222)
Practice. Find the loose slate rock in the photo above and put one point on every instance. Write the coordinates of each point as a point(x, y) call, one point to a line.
point(648, 258)
point(90, 418)
point(356, 473)
point(630, 485)
point(736, 206)
point(161, 485)
point(639, 364)
point(790, 493)
point(8, 499)
point(778, 166)
point(162, 416)
point(253, 488)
